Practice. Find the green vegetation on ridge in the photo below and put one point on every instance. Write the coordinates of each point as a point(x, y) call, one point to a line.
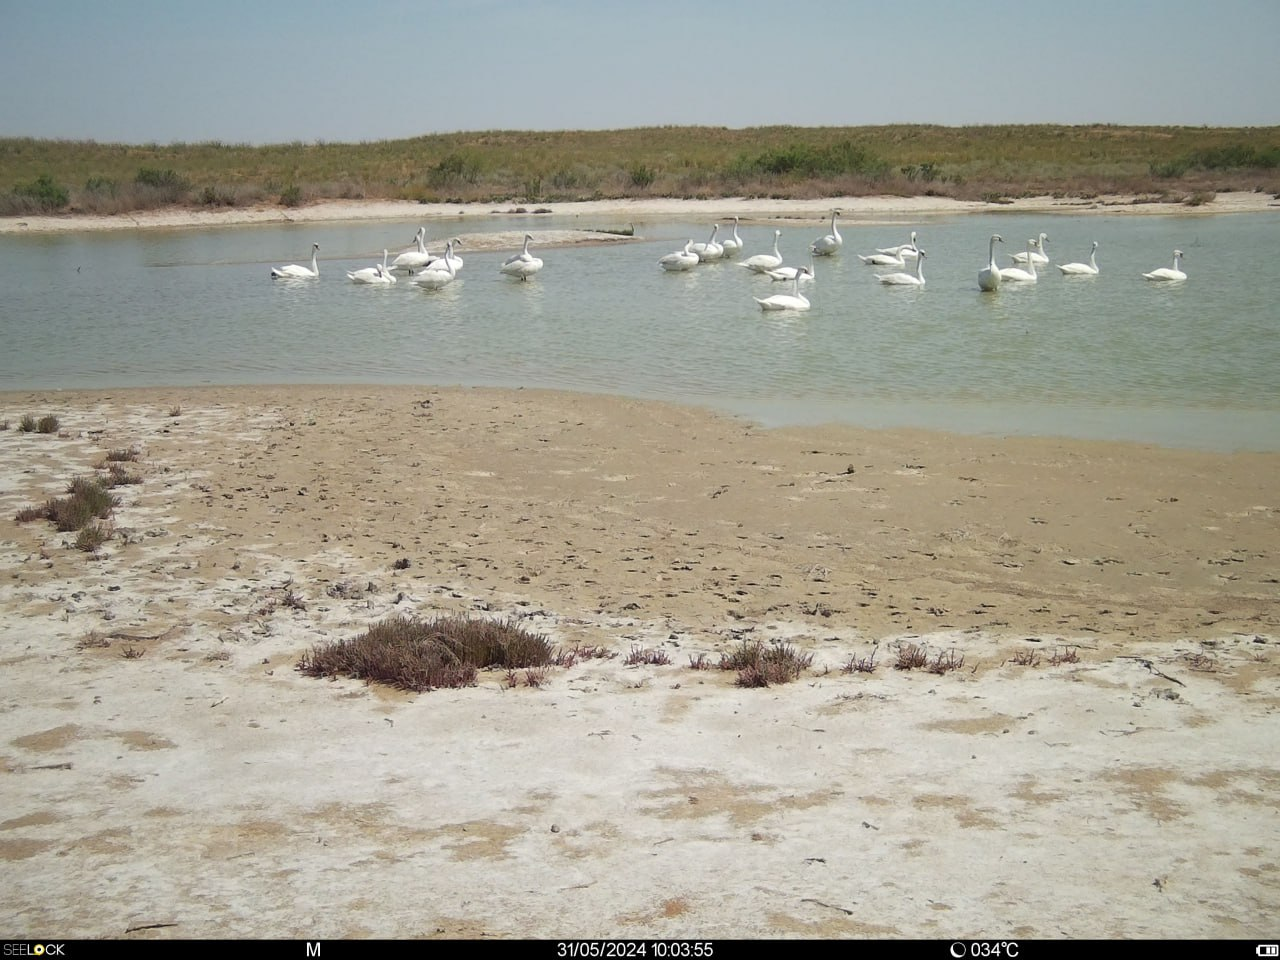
point(983, 162)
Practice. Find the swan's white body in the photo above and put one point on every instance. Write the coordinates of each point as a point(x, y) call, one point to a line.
point(684, 259)
point(1039, 259)
point(1164, 273)
point(440, 271)
point(1089, 269)
point(416, 258)
point(989, 276)
point(376, 274)
point(901, 249)
point(793, 273)
point(733, 246)
point(825, 246)
point(883, 260)
point(524, 264)
point(1017, 274)
point(764, 262)
point(709, 250)
point(449, 254)
point(295, 272)
point(795, 300)
point(905, 279)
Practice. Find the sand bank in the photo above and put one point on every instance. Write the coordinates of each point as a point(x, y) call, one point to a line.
point(616, 213)
point(166, 772)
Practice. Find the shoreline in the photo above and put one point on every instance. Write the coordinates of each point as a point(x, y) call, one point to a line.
point(853, 209)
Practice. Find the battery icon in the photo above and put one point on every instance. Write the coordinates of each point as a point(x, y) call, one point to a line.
point(1267, 950)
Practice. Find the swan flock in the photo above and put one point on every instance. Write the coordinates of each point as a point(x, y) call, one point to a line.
point(432, 272)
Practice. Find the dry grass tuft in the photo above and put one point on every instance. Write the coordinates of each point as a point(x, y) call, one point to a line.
point(648, 655)
point(946, 662)
point(763, 665)
point(856, 664)
point(1026, 658)
point(1065, 655)
point(911, 656)
point(413, 654)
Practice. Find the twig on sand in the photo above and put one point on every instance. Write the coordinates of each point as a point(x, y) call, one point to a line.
point(1148, 664)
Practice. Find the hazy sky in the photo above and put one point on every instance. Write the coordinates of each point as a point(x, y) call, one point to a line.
point(244, 71)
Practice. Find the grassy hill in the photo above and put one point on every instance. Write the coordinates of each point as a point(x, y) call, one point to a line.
point(983, 162)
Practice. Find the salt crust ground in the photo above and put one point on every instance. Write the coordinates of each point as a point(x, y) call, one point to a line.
point(165, 772)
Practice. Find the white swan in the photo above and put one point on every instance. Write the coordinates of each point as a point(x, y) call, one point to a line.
point(449, 254)
point(1017, 274)
point(295, 272)
point(524, 264)
point(684, 259)
point(733, 246)
point(786, 301)
point(709, 250)
point(762, 262)
point(989, 276)
point(905, 279)
point(1039, 259)
point(883, 260)
point(376, 274)
point(1089, 269)
point(1164, 273)
point(901, 248)
point(440, 271)
point(793, 273)
point(825, 246)
point(414, 259)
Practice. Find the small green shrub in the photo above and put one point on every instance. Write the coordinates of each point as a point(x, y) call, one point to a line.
point(43, 193)
point(642, 176)
point(27, 424)
point(291, 196)
point(47, 424)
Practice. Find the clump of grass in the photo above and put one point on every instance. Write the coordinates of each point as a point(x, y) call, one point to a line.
point(88, 499)
point(911, 656)
point(133, 653)
point(414, 654)
point(47, 424)
point(946, 662)
point(1026, 658)
point(91, 536)
point(118, 476)
point(1065, 655)
point(857, 664)
point(27, 424)
point(122, 455)
point(763, 665)
point(700, 662)
point(648, 655)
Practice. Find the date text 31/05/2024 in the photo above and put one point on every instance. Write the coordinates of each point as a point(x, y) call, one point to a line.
point(622, 949)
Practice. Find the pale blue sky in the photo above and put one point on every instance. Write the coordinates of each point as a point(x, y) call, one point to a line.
point(242, 71)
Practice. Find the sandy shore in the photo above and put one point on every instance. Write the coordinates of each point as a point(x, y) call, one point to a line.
point(168, 773)
point(616, 213)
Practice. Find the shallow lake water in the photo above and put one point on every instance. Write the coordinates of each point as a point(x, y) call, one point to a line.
point(1195, 363)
